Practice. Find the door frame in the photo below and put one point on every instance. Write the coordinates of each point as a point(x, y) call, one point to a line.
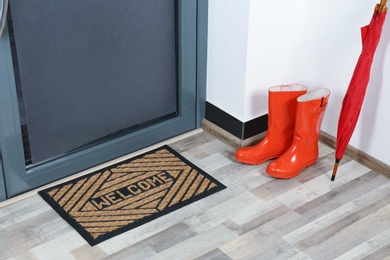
point(192, 53)
point(2, 185)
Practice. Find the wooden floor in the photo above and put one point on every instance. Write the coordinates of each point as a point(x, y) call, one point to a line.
point(256, 217)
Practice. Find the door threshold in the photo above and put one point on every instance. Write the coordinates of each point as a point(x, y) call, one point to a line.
point(100, 166)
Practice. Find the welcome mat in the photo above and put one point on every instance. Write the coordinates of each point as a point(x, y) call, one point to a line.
point(128, 194)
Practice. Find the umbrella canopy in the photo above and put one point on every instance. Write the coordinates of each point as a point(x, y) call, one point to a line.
point(354, 96)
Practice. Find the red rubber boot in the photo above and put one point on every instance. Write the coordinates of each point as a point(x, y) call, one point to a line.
point(303, 151)
point(282, 102)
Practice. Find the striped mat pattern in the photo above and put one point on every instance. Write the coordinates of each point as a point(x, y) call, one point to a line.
point(123, 196)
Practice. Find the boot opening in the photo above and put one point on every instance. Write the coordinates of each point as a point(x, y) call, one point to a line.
point(316, 94)
point(288, 87)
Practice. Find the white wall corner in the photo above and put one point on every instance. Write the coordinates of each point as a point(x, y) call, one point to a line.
point(274, 48)
point(227, 54)
point(253, 45)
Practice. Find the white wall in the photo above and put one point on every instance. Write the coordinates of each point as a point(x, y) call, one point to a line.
point(227, 53)
point(331, 49)
point(254, 45)
point(273, 50)
point(250, 50)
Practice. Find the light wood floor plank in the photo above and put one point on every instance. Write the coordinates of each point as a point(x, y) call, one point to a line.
point(317, 187)
point(310, 224)
point(255, 217)
point(368, 247)
point(214, 254)
point(198, 245)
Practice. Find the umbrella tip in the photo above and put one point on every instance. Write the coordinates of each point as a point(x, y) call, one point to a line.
point(336, 165)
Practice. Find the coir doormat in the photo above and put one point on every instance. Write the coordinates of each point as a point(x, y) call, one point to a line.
point(126, 195)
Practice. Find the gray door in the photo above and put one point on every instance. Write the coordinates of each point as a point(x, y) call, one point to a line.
point(2, 186)
point(87, 81)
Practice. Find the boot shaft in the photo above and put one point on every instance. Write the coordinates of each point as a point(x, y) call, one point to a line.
point(282, 106)
point(309, 114)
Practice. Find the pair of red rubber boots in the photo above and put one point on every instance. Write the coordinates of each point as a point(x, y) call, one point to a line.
point(294, 121)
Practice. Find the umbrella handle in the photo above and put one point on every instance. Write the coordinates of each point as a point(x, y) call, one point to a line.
point(382, 6)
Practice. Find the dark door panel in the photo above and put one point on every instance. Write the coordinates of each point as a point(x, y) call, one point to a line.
point(84, 82)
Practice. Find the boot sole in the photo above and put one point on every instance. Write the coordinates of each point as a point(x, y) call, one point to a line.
point(295, 175)
point(257, 162)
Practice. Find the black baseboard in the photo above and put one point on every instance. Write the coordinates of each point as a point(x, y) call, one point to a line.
point(241, 130)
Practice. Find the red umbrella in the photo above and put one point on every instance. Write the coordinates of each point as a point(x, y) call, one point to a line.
point(354, 96)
